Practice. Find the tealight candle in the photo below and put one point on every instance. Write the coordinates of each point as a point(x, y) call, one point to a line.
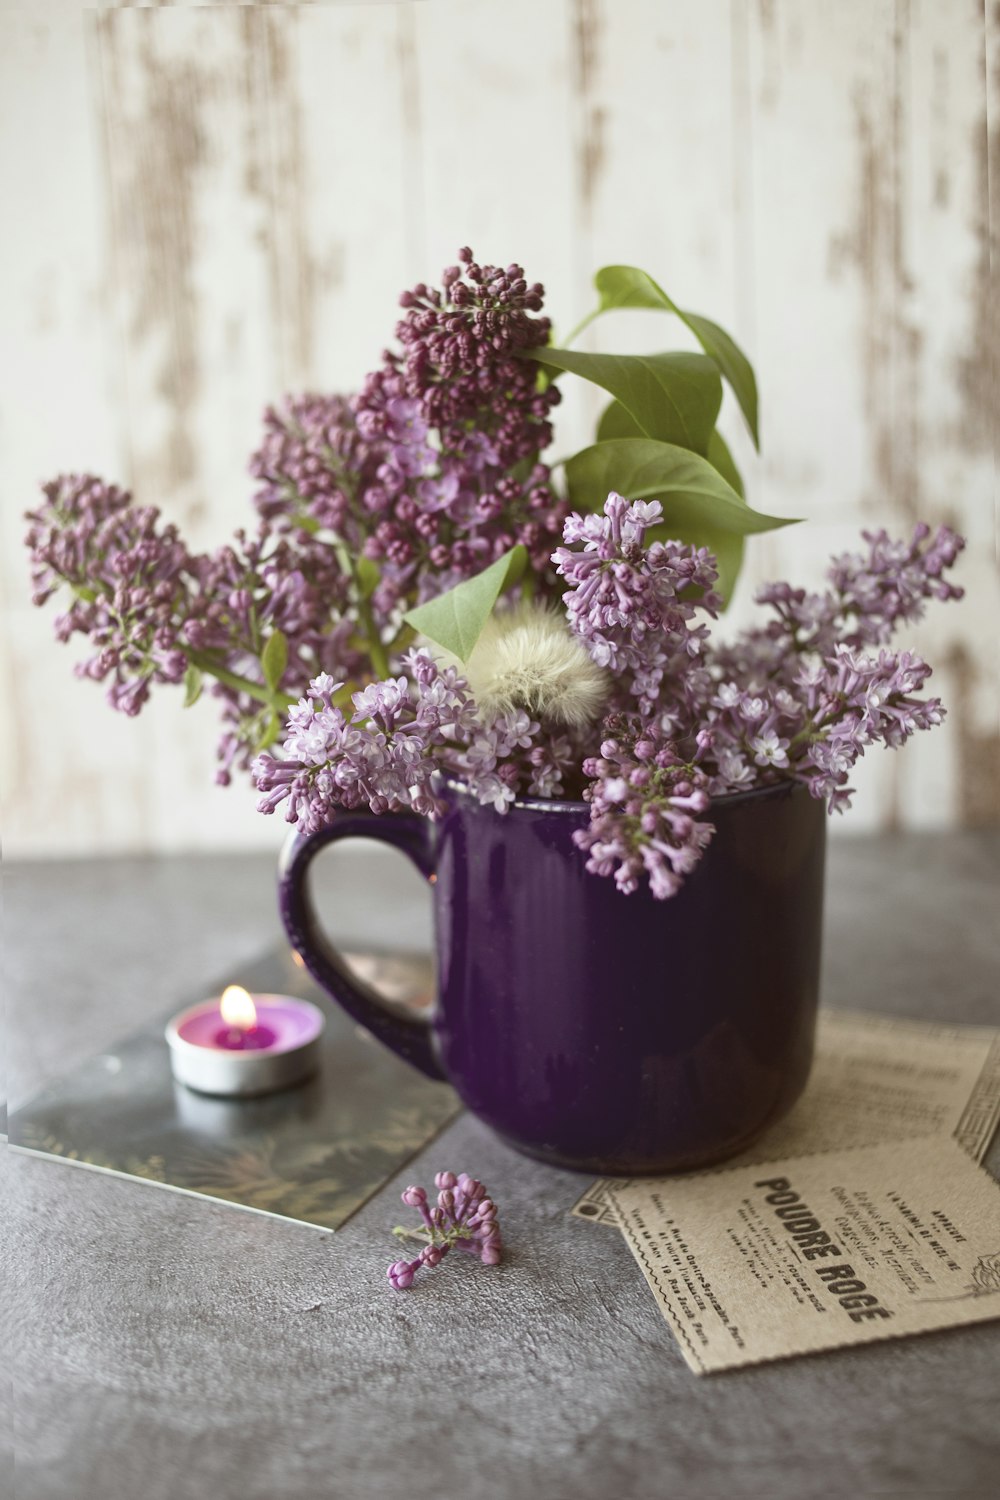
point(242, 1044)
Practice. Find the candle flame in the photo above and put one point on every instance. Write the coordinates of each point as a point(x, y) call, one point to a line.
point(238, 1009)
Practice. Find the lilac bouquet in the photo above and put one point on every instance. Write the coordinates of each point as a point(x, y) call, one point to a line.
point(422, 599)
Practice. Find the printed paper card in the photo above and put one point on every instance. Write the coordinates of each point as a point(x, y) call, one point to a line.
point(763, 1262)
point(877, 1080)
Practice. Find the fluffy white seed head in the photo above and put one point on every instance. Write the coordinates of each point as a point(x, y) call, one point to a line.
point(527, 658)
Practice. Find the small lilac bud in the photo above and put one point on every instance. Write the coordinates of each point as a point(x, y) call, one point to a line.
point(400, 1274)
point(413, 1197)
point(446, 1180)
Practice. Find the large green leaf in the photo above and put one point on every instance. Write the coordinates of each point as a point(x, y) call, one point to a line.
point(455, 620)
point(674, 398)
point(720, 458)
point(694, 494)
point(727, 545)
point(627, 286)
point(615, 422)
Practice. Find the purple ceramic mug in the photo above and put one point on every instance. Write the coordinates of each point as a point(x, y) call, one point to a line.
point(610, 1033)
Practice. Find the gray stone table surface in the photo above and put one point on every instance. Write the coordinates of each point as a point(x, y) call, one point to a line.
point(166, 1347)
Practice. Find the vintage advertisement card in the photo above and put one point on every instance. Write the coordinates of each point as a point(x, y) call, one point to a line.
point(877, 1080)
point(763, 1262)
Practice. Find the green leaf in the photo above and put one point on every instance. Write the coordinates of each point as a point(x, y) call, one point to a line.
point(455, 620)
point(694, 494)
point(627, 286)
point(193, 680)
point(274, 660)
point(672, 397)
point(366, 571)
point(727, 545)
point(720, 458)
point(616, 422)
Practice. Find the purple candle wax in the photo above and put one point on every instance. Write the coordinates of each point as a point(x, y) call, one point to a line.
point(282, 1022)
point(278, 1049)
point(250, 1040)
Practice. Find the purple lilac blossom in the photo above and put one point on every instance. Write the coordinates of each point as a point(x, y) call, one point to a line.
point(458, 421)
point(433, 469)
point(131, 580)
point(871, 595)
point(386, 754)
point(149, 606)
point(313, 465)
point(799, 699)
point(633, 605)
point(645, 809)
point(464, 1218)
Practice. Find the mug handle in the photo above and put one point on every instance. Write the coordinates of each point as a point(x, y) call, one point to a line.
point(410, 1037)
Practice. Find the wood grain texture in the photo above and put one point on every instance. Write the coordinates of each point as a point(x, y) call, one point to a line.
point(224, 202)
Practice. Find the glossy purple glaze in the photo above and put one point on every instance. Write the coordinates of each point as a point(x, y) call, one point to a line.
point(604, 1032)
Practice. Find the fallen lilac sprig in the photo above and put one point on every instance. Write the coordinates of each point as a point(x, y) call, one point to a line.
point(464, 1218)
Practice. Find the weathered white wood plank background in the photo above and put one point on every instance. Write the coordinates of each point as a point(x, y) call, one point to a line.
point(206, 206)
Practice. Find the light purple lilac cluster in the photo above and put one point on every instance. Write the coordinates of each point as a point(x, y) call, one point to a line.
point(688, 719)
point(463, 1218)
point(634, 605)
point(646, 807)
point(798, 699)
point(402, 732)
point(433, 469)
point(313, 465)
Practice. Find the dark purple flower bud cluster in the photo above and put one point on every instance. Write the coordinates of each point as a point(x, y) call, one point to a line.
point(459, 421)
point(151, 608)
point(463, 1218)
point(131, 581)
point(251, 588)
point(433, 469)
point(313, 466)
